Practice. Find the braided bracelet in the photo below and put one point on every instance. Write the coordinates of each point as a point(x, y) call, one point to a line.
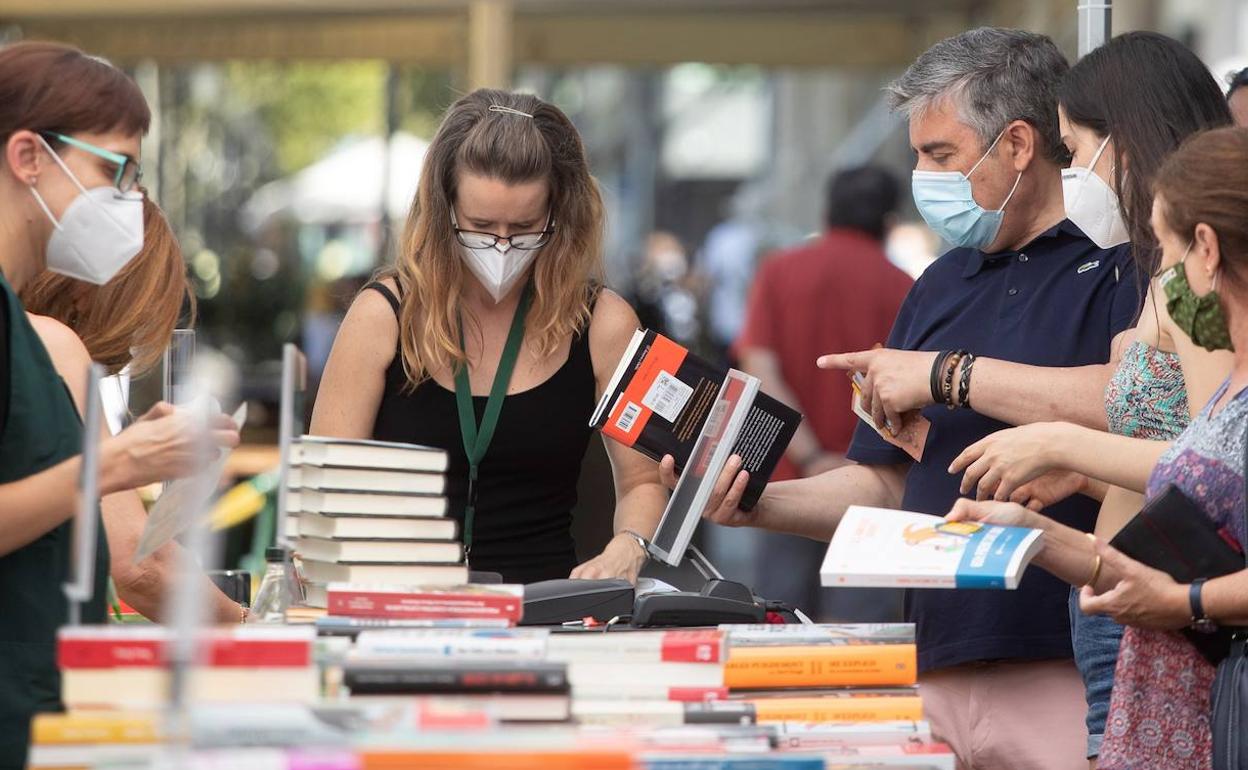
point(964, 389)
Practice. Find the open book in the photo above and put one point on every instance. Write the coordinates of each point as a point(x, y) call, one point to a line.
point(882, 547)
point(662, 395)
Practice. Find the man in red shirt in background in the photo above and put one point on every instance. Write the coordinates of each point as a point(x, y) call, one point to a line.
point(835, 292)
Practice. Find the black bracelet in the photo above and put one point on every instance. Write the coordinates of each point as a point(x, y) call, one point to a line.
point(938, 367)
point(947, 393)
point(964, 390)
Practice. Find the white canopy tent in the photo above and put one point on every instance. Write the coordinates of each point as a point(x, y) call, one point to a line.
point(344, 187)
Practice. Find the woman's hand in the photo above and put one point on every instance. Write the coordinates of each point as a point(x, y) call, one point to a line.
point(1143, 597)
point(622, 558)
point(991, 512)
point(163, 444)
point(1049, 489)
point(724, 505)
point(895, 381)
point(997, 465)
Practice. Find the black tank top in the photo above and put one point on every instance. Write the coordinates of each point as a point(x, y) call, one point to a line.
point(527, 486)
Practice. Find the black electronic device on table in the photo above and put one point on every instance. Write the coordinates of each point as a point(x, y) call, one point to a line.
point(719, 600)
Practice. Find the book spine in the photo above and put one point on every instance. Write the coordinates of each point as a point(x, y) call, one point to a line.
point(429, 606)
point(866, 709)
point(651, 692)
point(733, 763)
point(67, 729)
point(642, 647)
point(458, 648)
point(232, 653)
point(853, 665)
point(415, 680)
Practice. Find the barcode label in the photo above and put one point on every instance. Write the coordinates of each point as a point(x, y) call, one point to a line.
point(667, 396)
point(629, 416)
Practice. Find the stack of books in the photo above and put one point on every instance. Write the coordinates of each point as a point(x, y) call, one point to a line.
point(126, 667)
point(825, 673)
point(88, 739)
point(371, 512)
point(502, 671)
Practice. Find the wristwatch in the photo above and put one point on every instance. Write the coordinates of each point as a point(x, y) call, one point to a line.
point(1200, 621)
point(641, 541)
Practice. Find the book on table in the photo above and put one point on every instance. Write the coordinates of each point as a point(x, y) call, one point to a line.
point(324, 572)
point(364, 504)
point(488, 602)
point(334, 479)
point(660, 397)
point(326, 451)
point(882, 547)
point(379, 551)
point(345, 525)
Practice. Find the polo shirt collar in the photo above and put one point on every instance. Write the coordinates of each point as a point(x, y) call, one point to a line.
point(976, 259)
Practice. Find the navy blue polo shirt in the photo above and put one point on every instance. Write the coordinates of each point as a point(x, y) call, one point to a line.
point(1058, 301)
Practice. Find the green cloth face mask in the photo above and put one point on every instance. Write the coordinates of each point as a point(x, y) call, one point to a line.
point(1200, 318)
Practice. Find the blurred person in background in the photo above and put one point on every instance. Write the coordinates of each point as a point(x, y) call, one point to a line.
point(497, 292)
point(1237, 96)
point(836, 292)
point(725, 265)
point(125, 326)
point(664, 299)
point(70, 130)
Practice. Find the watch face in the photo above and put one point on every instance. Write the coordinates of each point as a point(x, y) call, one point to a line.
point(1205, 626)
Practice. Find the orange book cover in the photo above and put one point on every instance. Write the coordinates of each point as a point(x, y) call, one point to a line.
point(873, 665)
point(864, 709)
point(493, 760)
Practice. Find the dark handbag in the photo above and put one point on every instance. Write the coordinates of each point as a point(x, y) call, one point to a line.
point(1230, 692)
point(1173, 534)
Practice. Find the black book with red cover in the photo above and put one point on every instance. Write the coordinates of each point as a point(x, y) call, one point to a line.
point(661, 396)
point(454, 677)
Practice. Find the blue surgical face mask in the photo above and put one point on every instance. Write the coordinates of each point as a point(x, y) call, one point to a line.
point(945, 201)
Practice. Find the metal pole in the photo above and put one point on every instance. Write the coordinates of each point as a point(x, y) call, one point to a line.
point(1094, 24)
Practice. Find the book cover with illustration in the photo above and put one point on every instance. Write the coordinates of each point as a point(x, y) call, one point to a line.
point(661, 397)
point(882, 547)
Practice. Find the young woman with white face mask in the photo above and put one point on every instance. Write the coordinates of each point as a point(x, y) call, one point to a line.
point(70, 127)
point(492, 339)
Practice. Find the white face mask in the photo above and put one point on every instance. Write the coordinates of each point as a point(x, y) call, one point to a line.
point(98, 234)
point(498, 267)
point(1092, 204)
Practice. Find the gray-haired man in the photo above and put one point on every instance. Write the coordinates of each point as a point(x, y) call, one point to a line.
point(1024, 285)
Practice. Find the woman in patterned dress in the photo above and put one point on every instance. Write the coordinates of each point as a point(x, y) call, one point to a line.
point(1159, 712)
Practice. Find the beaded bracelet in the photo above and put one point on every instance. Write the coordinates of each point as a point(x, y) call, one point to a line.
point(947, 393)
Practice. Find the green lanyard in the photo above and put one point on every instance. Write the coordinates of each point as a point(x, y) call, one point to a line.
point(477, 442)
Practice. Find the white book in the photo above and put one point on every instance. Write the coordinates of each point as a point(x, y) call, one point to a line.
point(364, 504)
point(882, 547)
point(383, 527)
point(360, 453)
point(379, 551)
point(318, 571)
point(365, 480)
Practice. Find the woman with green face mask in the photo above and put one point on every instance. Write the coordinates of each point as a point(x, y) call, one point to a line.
point(1161, 695)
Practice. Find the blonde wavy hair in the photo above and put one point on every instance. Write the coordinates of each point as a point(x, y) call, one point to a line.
point(130, 319)
point(513, 149)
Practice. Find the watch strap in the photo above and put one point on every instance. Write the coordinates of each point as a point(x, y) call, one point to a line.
point(1193, 598)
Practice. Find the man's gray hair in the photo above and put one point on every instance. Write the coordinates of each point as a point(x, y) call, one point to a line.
point(994, 76)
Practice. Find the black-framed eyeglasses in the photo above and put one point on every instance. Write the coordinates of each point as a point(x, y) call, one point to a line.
point(475, 239)
point(129, 172)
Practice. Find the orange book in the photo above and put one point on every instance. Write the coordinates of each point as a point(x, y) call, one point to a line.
point(493, 760)
point(868, 708)
point(94, 727)
point(855, 665)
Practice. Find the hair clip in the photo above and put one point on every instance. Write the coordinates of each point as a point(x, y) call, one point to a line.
point(508, 110)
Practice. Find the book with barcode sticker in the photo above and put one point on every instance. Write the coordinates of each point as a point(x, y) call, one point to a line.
point(662, 395)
